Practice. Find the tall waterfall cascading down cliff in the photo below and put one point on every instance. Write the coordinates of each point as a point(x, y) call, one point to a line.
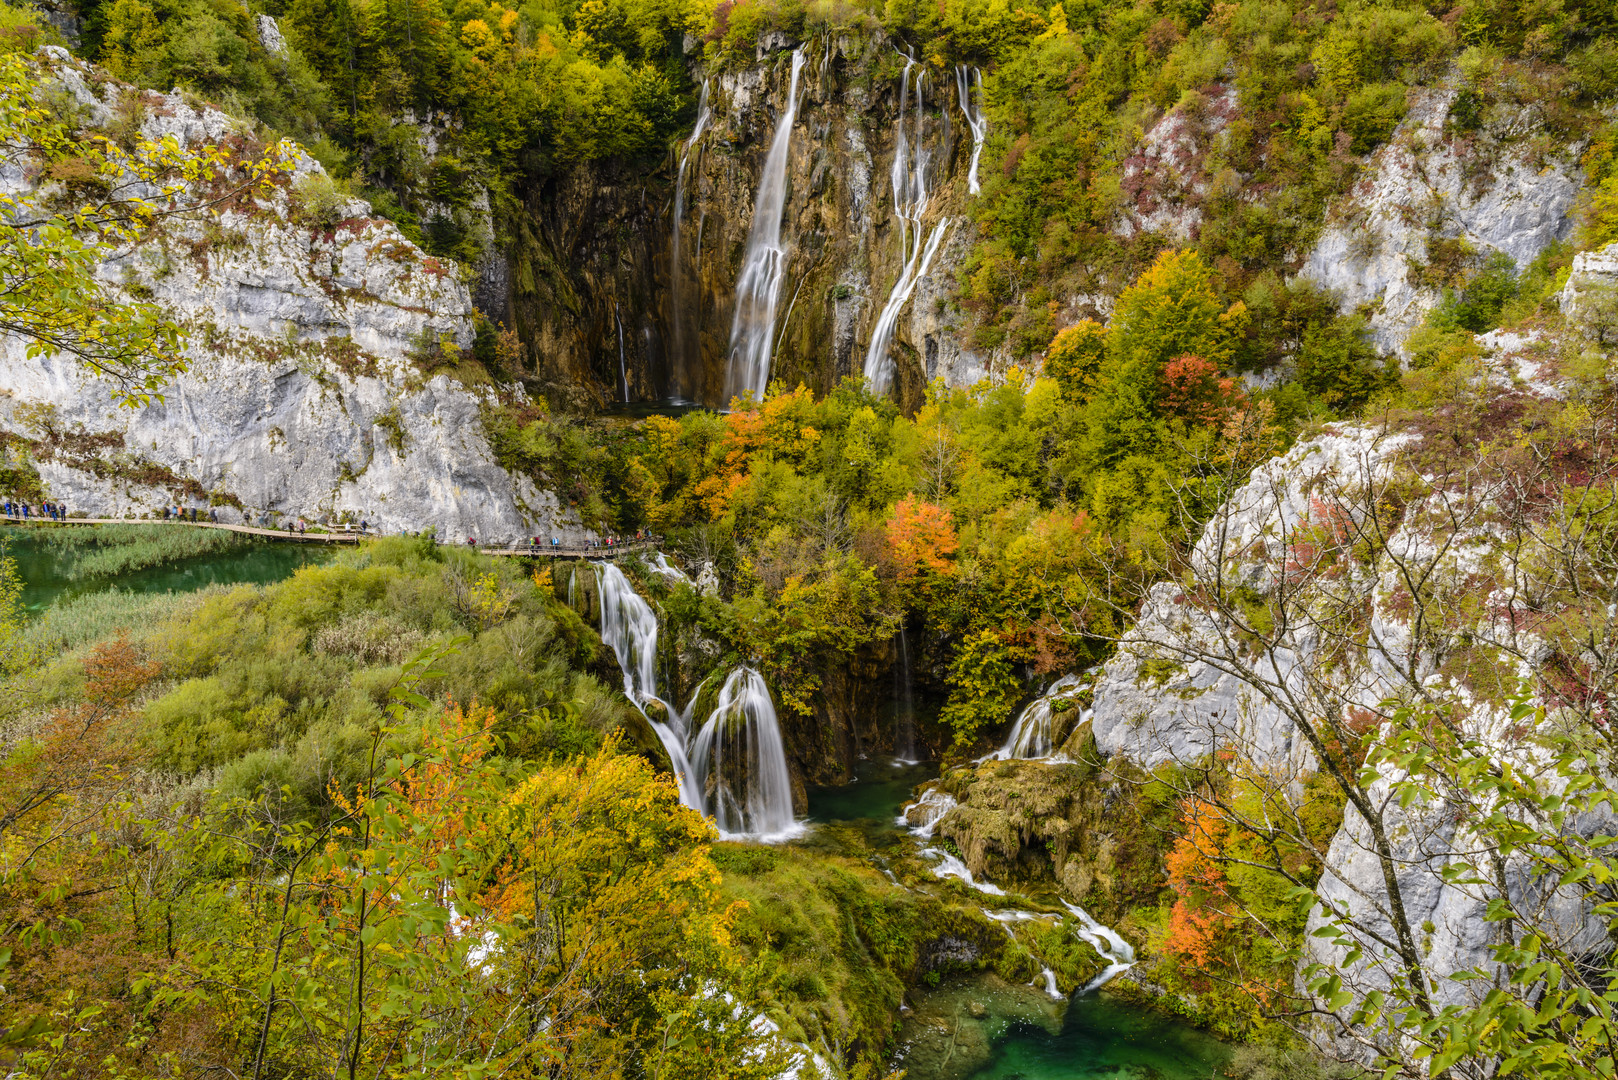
point(973, 111)
point(910, 198)
point(735, 770)
point(684, 379)
point(764, 262)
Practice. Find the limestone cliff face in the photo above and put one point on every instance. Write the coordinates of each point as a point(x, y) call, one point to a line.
point(594, 250)
point(306, 393)
point(1495, 189)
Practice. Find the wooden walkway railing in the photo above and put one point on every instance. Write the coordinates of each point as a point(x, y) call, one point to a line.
point(250, 530)
point(543, 551)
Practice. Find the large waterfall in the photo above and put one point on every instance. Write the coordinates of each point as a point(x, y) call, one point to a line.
point(973, 111)
point(764, 264)
point(735, 768)
point(685, 385)
point(742, 763)
point(910, 197)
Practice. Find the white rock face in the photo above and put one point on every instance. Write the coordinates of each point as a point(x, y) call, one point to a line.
point(1591, 285)
point(1164, 179)
point(301, 398)
point(269, 36)
point(1418, 183)
point(1156, 702)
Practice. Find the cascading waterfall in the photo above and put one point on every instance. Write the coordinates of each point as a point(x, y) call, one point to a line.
point(764, 263)
point(904, 720)
point(1118, 953)
point(735, 768)
point(973, 111)
point(742, 762)
point(1032, 735)
point(684, 384)
point(629, 627)
point(910, 197)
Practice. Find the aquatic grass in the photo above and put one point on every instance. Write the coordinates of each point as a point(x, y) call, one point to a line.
point(81, 620)
point(88, 552)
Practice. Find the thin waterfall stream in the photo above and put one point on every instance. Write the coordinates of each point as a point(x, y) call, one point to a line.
point(685, 384)
point(911, 195)
point(973, 111)
point(764, 261)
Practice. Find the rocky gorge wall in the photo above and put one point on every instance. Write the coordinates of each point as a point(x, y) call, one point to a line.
point(595, 248)
point(306, 392)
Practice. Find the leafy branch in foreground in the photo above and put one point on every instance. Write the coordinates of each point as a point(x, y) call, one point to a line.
point(86, 200)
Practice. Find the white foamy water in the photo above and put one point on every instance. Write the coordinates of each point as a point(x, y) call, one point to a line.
point(734, 769)
point(920, 816)
point(950, 866)
point(1032, 736)
point(1118, 953)
point(741, 762)
point(911, 192)
point(973, 111)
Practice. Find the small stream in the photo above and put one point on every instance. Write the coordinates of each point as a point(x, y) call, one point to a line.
point(983, 1028)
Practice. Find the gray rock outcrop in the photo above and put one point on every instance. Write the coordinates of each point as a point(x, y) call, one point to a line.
point(1423, 184)
point(310, 325)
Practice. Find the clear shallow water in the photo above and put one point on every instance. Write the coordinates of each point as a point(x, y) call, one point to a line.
point(1100, 1037)
point(876, 794)
point(979, 1027)
point(260, 562)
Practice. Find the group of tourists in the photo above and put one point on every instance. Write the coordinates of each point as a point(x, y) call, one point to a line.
point(48, 511)
point(189, 513)
point(607, 543)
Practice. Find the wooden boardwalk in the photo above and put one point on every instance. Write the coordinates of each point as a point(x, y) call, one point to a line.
point(545, 551)
point(249, 530)
point(541, 551)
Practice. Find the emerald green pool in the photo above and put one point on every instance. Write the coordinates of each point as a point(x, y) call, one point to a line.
point(979, 1027)
point(258, 562)
point(1099, 1037)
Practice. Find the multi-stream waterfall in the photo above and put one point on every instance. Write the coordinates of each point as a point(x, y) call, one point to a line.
point(764, 263)
point(1032, 736)
point(685, 384)
point(910, 198)
point(973, 111)
point(741, 762)
point(735, 768)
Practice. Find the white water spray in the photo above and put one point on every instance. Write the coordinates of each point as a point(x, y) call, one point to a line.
point(735, 768)
point(922, 815)
point(1033, 735)
point(973, 111)
point(629, 627)
point(910, 197)
point(764, 264)
point(1118, 953)
point(684, 384)
point(742, 764)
